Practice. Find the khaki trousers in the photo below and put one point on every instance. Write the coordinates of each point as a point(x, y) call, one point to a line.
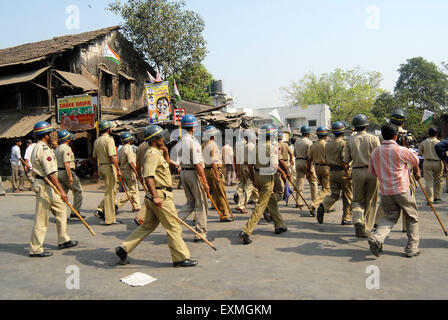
point(76, 188)
point(218, 191)
point(267, 199)
point(196, 201)
point(433, 172)
point(323, 177)
point(365, 196)
point(339, 185)
point(279, 186)
point(130, 179)
point(107, 205)
point(155, 216)
point(29, 176)
point(2, 189)
point(47, 200)
point(18, 177)
point(393, 205)
point(245, 189)
point(300, 181)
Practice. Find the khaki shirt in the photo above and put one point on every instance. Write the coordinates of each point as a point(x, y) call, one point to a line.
point(317, 151)
point(103, 148)
point(359, 149)
point(427, 149)
point(141, 150)
point(156, 166)
point(302, 147)
point(250, 153)
point(189, 152)
point(211, 154)
point(65, 154)
point(284, 151)
point(43, 160)
point(334, 152)
point(126, 156)
point(267, 158)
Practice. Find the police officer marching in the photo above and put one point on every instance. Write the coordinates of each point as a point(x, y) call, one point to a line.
point(45, 166)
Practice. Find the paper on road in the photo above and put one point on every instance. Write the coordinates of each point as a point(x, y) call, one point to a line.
point(138, 279)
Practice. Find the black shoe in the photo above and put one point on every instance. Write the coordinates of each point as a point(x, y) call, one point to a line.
point(313, 212)
point(330, 211)
point(236, 198)
point(281, 230)
point(99, 215)
point(116, 210)
point(44, 254)
point(374, 248)
point(185, 264)
point(68, 244)
point(228, 219)
point(267, 216)
point(320, 214)
point(346, 223)
point(297, 206)
point(74, 216)
point(138, 222)
point(245, 238)
point(360, 231)
point(209, 238)
point(437, 201)
point(122, 254)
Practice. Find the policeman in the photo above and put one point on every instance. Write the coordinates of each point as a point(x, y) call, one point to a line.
point(159, 200)
point(127, 161)
point(44, 165)
point(284, 157)
point(66, 170)
point(105, 161)
point(213, 172)
point(262, 175)
point(339, 176)
point(365, 184)
point(189, 153)
point(432, 166)
point(316, 156)
point(140, 157)
point(301, 151)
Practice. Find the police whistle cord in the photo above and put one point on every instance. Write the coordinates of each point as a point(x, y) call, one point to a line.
point(430, 203)
point(299, 193)
point(122, 184)
point(210, 197)
point(70, 206)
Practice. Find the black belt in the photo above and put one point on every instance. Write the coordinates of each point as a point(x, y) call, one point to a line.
point(63, 169)
point(165, 188)
point(39, 177)
point(321, 164)
point(431, 160)
point(301, 158)
point(190, 169)
point(360, 167)
point(336, 168)
point(104, 164)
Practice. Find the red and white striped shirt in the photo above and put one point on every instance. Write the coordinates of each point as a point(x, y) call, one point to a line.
point(389, 163)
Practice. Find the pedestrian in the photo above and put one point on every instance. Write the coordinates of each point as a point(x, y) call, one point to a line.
point(127, 162)
point(365, 184)
point(17, 165)
point(227, 157)
point(317, 166)
point(389, 163)
point(44, 165)
point(340, 180)
point(213, 172)
point(262, 175)
point(29, 171)
point(432, 166)
point(105, 162)
point(67, 171)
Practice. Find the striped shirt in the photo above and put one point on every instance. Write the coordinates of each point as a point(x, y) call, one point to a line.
point(389, 164)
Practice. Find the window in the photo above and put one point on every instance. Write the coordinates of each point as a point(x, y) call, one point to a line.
point(124, 89)
point(312, 123)
point(106, 85)
point(296, 123)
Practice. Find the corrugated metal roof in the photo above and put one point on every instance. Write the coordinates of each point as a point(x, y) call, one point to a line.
point(19, 125)
point(78, 81)
point(22, 77)
point(124, 75)
point(107, 71)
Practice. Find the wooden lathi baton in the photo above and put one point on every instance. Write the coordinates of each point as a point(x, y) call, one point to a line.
point(210, 197)
point(430, 203)
point(299, 193)
point(70, 206)
point(122, 184)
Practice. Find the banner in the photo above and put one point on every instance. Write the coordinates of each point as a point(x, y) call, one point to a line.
point(276, 116)
point(158, 97)
point(77, 113)
point(177, 116)
point(427, 116)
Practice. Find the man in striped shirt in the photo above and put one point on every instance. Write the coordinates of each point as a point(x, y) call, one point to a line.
point(389, 164)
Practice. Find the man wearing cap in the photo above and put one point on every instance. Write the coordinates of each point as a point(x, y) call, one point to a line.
point(160, 208)
point(66, 170)
point(44, 166)
point(127, 161)
point(27, 157)
point(105, 162)
point(432, 166)
point(365, 184)
point(339, 176)
point(316, 156)
point(301, 150)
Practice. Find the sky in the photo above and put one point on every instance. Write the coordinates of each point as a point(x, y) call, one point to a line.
point(258, 46)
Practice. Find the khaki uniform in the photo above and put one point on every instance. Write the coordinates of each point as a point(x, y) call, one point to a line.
point(317, 154)
point(44, 163)
point(264, 182)
point(126, 156)
point(140, 158)
point(365, 184)
point(301, 151)
point(103, 149)
point(156, 166)
point(334, 156)
point(65, 154)
point(190, 153)
point(212, 155)
point(432, 168)
point(246, 189)
point(279, 184)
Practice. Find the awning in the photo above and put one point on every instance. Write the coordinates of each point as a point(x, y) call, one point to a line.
point(107, 71)
point(22, 77)
point(17, 125)
point(78, 81)
point(124, 75)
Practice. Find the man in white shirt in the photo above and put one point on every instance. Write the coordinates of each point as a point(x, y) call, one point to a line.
point(18, 175)
point(227, 157)
point(28, 172)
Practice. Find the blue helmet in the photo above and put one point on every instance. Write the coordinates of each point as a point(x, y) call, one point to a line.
point(189, 121)
point(42, 127)
point(322, 132)
point(152, 132)
point(210, 131)
point(338, 127)
point(126, 137)
point(305, 130)
point(104, 125)
point(268, 129)
point(64, 135)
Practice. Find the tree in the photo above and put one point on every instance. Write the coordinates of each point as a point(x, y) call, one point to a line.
point(347, 93)
point(166, 34)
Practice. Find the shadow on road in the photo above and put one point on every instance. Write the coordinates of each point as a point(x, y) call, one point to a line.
point(22, 249)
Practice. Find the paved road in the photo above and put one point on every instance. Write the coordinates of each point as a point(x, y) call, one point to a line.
point(310, 261)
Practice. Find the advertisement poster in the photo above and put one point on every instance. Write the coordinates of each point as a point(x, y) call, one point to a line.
point(177, 116)
point(158, 97)
point(77, 113)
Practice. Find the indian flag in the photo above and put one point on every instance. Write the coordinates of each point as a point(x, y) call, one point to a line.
point(276, 116)
point(111, 55)
point(427, 116)
point(176, 92)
